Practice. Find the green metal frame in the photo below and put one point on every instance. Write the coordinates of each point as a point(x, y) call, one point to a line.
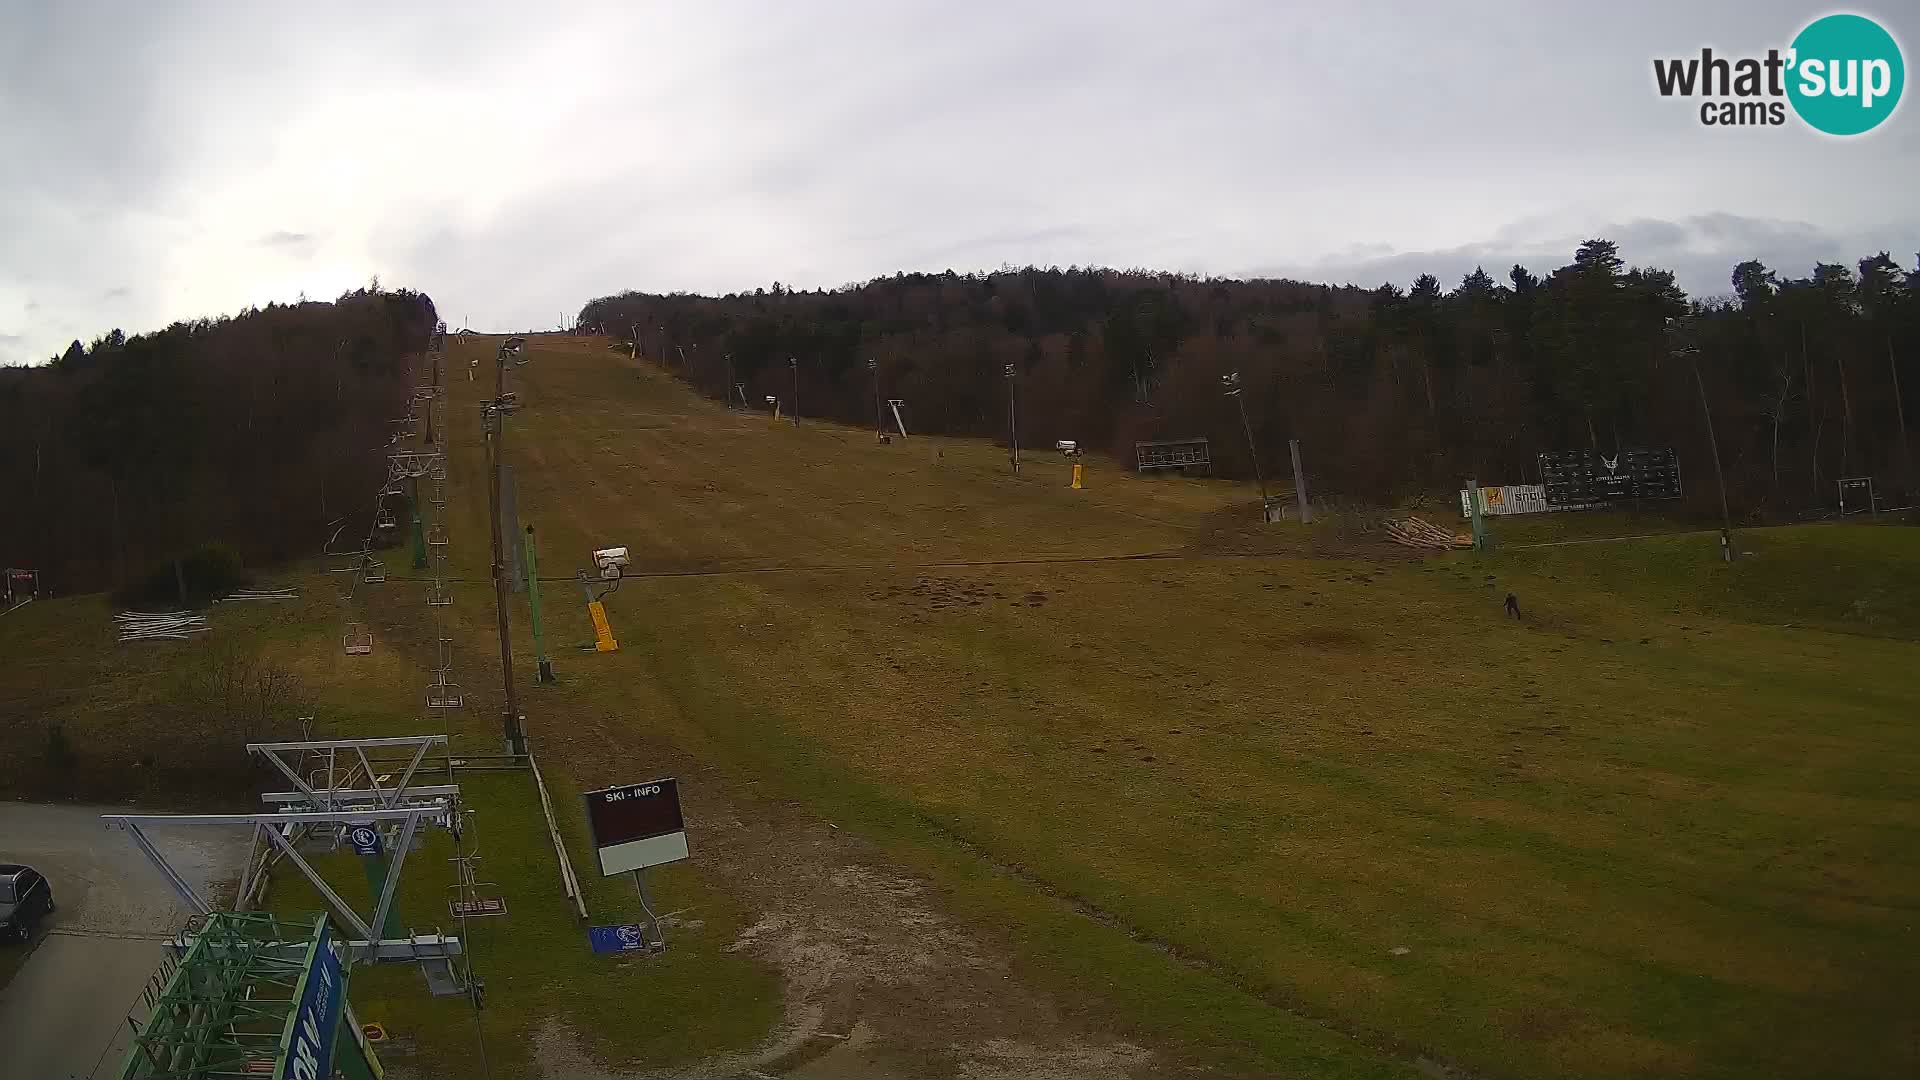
point(225, 1006)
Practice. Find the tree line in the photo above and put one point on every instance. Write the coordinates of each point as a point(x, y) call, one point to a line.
point(251, 432)
point(1391, 392)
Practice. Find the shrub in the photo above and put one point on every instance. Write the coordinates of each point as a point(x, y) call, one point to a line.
point(59, 750)
point(218, 705)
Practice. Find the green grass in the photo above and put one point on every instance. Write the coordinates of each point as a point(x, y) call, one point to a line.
point(1650, 830)
point(1855, 579)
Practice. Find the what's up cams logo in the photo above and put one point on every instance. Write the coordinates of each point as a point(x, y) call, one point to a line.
point(1842, 75)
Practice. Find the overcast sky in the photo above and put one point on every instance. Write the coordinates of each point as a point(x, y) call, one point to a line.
point(161, 161)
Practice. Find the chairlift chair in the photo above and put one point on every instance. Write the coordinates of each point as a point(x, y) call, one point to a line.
point(358, 640)
point(442, 694)
point(385, 519)
point(437, 594)
point(373, 571)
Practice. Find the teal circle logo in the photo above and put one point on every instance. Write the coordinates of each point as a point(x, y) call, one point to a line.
point(1847, 74)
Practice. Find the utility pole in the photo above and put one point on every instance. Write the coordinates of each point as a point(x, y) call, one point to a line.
point(1231, 383)
point(726, 392)
point(1013, 418)
point(496, 416)
point(1684, 347)
point(873, 366)
point(794, 363)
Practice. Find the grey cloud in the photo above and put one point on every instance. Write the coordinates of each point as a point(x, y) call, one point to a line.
point(297, 244)
point(110, 294)
point(722, 146)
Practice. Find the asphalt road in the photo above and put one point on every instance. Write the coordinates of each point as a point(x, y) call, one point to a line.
point(65, 996)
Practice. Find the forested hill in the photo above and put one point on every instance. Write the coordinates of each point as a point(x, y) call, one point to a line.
point(252, 431)
point(1389, 391)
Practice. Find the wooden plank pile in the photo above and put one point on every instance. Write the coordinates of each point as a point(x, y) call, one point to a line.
point(147, 626)
point(1417, 532)
point(259, 594)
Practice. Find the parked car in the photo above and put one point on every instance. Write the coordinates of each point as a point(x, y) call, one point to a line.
point(25, 899)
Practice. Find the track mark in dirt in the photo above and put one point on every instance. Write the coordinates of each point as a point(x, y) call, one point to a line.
point(879, 983)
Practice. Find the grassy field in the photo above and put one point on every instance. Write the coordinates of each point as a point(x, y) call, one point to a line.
point(1651, 829)
point(1280, 801)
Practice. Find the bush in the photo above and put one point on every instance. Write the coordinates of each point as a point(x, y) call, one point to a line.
point(204, 573)
point(60, 757)
point(222, 701)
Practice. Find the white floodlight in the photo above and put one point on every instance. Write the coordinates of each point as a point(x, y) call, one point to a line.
point(610, 560)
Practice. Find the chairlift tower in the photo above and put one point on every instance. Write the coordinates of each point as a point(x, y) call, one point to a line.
point(494, 414)
point(1013, 417)
point(1230, 382)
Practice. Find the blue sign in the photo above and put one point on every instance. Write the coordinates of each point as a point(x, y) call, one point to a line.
point(627, 937)
point(365, 840)
point(309, 1038)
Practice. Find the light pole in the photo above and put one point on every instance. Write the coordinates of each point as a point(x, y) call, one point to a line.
point(1013, 418)
point(794, 405)
point(1231, 383)
point(1682, 345)
point(873, 367)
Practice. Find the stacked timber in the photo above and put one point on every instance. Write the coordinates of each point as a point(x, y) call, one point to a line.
point(1417, 532)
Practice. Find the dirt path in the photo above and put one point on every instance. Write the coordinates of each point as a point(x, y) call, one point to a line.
point(879, 983)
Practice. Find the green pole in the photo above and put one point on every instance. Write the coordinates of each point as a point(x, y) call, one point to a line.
point(545, 669)
point(1473, 511)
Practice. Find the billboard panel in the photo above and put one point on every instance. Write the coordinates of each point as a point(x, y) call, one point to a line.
point(308, 1041)
point(1572, 477)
